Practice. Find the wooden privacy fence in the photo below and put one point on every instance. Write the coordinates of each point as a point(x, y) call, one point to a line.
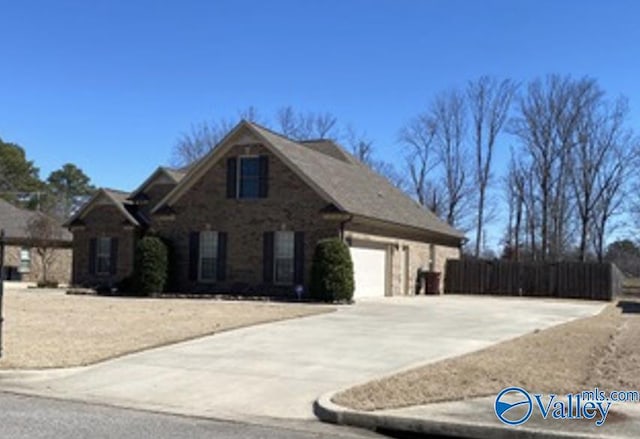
point(575, 280)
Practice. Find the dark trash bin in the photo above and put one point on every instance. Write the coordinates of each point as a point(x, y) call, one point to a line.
point(428, 282)
point(432, 281)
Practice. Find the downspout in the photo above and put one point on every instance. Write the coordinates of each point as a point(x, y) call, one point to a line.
point(342, 224)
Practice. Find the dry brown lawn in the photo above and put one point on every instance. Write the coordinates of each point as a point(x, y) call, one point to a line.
point(51, 329)
point(601, 351)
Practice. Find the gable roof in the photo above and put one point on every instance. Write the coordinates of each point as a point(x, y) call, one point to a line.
point(119, 199)
point(341, 179)
point(173, 174)
point(15, 222)
point(356, 188)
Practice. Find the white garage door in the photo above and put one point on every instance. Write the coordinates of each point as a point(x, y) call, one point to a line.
point(369, 271)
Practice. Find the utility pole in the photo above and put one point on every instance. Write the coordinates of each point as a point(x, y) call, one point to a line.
point(1, 284)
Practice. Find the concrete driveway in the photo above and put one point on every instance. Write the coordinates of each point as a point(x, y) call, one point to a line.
point(277, 370)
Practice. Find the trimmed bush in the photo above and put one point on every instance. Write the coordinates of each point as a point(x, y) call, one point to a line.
point(151, 265)
point(332, 272)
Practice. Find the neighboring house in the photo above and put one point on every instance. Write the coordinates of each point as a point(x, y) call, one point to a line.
point(246, 219)
point(21, 260)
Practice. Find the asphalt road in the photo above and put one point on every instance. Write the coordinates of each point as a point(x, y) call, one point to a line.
point(23, 417)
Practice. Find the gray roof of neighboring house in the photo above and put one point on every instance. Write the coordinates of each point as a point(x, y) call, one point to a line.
point(15, 220)
point(354, 187)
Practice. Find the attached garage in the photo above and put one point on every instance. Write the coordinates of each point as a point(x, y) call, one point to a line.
point(369, 271)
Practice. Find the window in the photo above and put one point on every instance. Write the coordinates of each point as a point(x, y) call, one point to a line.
point(249, 177)
point(25, 260)
point(103, 255)
point(283, 257)
point(208, 255)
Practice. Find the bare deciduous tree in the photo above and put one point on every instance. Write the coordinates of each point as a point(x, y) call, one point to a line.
point(418, 138)
point(612, 181)
point(546, 126)
point(575, 151)
point(360, 145)
point(305, 126)
point(199, 140)
point(599, 159)
point(516, 189)
point(251, 114)
point(437, 159)
point(489, 103)
point(449, 114)
point(44, 232)
point(204, 136)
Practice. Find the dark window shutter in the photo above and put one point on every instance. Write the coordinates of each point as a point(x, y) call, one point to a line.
point(267, 257)
point(194, 255)
point(298, 255)
point(232, 180)
point(221, 269)
point(113, 263)
point(263, 176)
point(92, 256)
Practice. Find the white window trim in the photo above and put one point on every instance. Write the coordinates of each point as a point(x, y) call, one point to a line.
point(293, 258)
point(239, 175)
point(201, 256)
point(25, 263)
point(100, 255)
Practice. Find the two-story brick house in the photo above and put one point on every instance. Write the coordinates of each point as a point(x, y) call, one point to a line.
point(247, 216)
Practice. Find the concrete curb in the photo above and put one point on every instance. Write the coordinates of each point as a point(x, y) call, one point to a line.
point(33, 375)
point(327, 411)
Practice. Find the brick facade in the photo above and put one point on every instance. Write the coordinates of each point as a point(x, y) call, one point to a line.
point(290, 205)
point(154, 194)
point(59, 269)
point(103, 221)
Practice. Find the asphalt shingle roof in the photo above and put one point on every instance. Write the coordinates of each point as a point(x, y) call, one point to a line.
point(128, 208)
point(15, 222)
point(354, 186)
point(176, 174)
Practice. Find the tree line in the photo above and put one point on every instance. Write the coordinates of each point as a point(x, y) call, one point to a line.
point(59, 195)
point(56, 198)
point(567, 181)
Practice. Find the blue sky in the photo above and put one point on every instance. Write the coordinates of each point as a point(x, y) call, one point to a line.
point(110, 85)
